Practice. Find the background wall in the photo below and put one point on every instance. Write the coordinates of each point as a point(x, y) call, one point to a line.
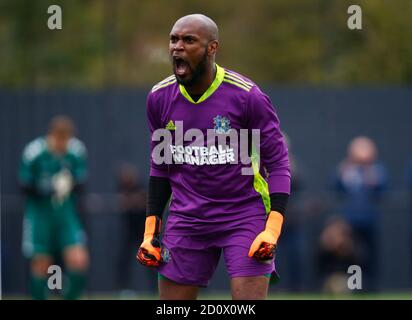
point(328, 83)
point(318, 121)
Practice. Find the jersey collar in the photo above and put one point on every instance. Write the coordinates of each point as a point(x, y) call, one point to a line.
point(220, 73)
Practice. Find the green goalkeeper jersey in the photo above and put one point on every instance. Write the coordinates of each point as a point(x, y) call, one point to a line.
point(51, 223)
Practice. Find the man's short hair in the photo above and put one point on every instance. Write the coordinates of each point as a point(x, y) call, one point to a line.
point(62, 125)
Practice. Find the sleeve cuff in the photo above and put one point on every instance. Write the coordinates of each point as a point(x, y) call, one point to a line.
point(159, 173)
point(279, 184)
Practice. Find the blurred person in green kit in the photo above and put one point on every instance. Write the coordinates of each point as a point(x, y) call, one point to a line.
point(52, 174)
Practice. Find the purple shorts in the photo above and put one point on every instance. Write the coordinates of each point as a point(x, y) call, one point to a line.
point(192, 259)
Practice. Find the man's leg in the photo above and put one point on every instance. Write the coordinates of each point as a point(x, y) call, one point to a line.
point(38, 269)
point(249, 277)
point(190, 263)
point(249, 288)
point(36, 247)
point(170, 290)
point(76, 260)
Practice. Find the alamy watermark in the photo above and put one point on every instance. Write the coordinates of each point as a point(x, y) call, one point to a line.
point(54, 282)
point(355, 18)
point(55, 21)
point(355, 280)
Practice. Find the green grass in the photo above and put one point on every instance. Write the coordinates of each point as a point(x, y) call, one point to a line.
point(277, 296)
point(320, 296)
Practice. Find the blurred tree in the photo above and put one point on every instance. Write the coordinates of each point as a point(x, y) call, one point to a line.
point(377, 54)
point(124, 43)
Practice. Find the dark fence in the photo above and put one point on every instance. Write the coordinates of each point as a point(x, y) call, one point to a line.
point(112, 123)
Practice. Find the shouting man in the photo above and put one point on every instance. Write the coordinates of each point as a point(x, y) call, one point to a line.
point(216, 205)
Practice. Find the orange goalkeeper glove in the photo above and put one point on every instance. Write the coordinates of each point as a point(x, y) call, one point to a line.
point(263, 247)
point(149, 253)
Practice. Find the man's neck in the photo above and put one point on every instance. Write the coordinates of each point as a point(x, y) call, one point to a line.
point(51, 147)
point(204, 83)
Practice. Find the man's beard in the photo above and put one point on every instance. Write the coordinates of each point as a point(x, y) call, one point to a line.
point(197, 73)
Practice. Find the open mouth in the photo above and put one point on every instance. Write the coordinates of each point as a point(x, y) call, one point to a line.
point(181, 66)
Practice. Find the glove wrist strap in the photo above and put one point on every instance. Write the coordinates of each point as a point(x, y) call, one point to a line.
point(274, 224)
point(153, 226)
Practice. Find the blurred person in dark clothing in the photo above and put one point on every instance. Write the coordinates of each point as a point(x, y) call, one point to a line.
point(336, 252)
point(361, 180)
point(132, 209)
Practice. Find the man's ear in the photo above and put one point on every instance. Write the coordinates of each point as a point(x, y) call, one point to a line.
point(212, 47)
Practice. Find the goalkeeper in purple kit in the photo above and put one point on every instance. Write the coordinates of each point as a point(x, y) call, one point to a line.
point(215, 206)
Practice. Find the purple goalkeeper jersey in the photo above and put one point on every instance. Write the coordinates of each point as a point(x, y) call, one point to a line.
point(210, 191)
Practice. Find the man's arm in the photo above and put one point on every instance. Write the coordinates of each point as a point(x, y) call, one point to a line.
point(79, 172)
point(273, 150)
point(158, 195)
point(274, 157)
point(26, 176)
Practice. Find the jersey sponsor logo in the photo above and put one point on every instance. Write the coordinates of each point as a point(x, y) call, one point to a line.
point(196, 155)
point(195, 147)
point(222, 124)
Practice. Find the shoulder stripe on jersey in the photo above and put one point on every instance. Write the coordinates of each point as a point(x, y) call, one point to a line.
point(165, 80)
point(236, 84)
point(155, 88)
point(238, 81)
point(77, 147)
point(33, 149)
point(238, 77)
